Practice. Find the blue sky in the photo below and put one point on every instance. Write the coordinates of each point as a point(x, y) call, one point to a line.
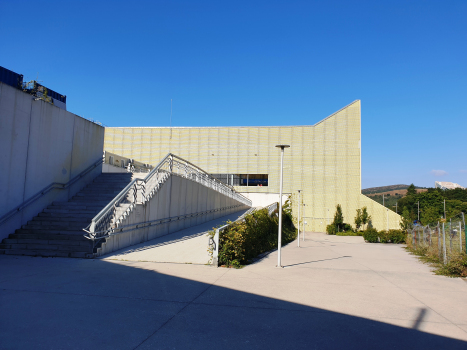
point(261, 63)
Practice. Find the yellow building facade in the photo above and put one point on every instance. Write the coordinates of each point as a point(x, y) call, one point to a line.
point(324, 161)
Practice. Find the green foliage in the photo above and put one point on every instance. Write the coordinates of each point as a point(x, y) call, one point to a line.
point(429, 215)
point(331, 229)
point(406, 219)
point(338, 218)
point(371, 235)
point(245, 240)
point(432, 204)
point(366, 218)
point(350, 233)
point(358, 219)
point(411, 190)
point(455, 267)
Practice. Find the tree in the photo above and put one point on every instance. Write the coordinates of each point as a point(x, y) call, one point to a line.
point(429, 216)
point(366, 218)
point(406, 220)
point(411, 190)
point(358, 219)
point(338, 218)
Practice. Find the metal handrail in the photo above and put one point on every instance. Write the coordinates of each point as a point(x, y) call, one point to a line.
point(47, 189)
point(139, 191)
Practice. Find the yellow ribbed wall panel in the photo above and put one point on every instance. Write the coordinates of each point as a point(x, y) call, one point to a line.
point(323, 160)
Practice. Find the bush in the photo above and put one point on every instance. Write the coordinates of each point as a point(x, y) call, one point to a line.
point(350, 233)
point(331, 229)
point(370, 235)
point(397, 236)
point(245, 240)
point(346, 227)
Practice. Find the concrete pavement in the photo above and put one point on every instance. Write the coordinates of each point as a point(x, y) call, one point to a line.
point(333, 293)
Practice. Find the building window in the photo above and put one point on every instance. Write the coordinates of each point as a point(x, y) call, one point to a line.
point(111, 160)
point(243, 179)
point(122, 164)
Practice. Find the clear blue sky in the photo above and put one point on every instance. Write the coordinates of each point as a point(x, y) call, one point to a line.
point(261, 63)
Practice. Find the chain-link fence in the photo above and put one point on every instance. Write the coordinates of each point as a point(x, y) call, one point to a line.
point(443, 240)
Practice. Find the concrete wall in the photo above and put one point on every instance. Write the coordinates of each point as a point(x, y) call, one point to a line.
point(177, 196)
point(41, 144)
point(264, 199)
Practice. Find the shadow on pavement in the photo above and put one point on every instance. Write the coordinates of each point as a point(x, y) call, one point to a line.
point(87, 304)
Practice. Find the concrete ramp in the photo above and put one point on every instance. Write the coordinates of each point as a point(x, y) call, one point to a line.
point(188, 246)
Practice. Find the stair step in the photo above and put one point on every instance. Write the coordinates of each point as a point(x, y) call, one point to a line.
point(55, 217)
point(51, 231)
point(56, 225)
point(46, 246)
point(70, 211)
point(47, 236)
point(58, 230)
point(46, 253)
point(66, 242)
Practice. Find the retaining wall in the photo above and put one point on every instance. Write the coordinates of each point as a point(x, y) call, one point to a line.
point(41, 144)
point(177, 196)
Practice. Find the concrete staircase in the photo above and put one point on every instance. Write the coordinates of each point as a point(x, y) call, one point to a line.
point(57, 231)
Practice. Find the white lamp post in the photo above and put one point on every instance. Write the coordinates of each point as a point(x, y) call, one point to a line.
point(299, 205)
point(279, 238)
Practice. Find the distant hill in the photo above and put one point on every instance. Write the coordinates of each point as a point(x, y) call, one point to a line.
point(392, 189)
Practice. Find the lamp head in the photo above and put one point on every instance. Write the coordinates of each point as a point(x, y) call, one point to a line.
point(282, 146)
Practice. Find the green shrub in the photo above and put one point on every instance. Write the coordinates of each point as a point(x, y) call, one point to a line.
point(350, 233)
point(346, 227)
point(331, 229)
point(370, 235)
point(397, 236)
point(245, 240)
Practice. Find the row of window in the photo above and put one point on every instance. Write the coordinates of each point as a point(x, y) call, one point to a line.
point(243, 179)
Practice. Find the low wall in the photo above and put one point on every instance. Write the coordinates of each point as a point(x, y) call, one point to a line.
point(177, 196)
point(264, 199)
point(41, 144)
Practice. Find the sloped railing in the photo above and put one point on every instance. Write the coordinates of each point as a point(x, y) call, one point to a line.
point(139, 191)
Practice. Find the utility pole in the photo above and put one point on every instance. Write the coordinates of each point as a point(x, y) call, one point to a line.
point(396, 207)
point(279, 236)
point(383, 199)
point(445, 209)
point(299, 205)
point(418, 206)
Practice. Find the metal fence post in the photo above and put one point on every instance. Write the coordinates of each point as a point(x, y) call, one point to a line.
point(460, 237)
point(444, 246)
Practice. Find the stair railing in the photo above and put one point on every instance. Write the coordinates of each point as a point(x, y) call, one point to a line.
point(139, 191)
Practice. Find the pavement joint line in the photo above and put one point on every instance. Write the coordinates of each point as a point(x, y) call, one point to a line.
point(317, 310)
point(179, 311)
point(17, 278)
point(403, 290)
point(94, 295)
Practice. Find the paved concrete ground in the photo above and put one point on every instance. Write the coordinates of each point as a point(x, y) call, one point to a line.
point(333, 293)
point(188, 246)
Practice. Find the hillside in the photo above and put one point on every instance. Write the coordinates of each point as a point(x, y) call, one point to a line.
point(392, 189)
point(391, 194)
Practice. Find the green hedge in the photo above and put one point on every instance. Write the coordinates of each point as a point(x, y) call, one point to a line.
point(245, 240)
point(371, 235)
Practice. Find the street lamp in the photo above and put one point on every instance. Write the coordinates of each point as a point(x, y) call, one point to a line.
point(299, 205)
point(279, 238)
